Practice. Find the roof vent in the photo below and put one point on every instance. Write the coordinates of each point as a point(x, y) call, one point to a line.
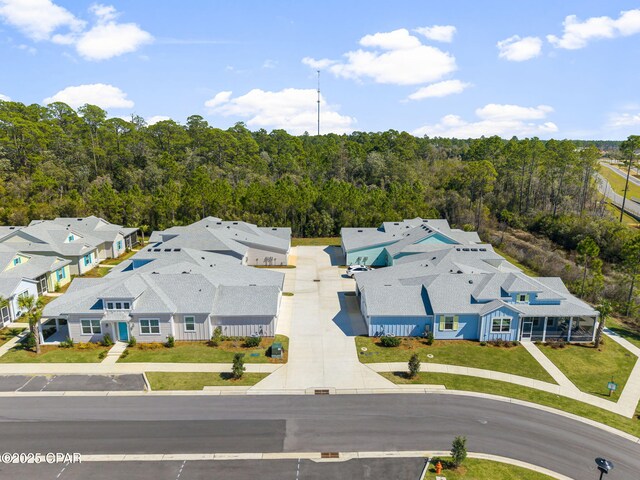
point(235, 223)
point(177, 249)
point(218, 223)
point(185, 273)
point(396, 223)
point(157, 249)
point(167, 249)
point(274, 229)
point(252, 284)
point(471, 281)
point(79, 219)
point(359, 231)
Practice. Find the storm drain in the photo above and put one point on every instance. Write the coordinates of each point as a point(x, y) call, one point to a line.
point(321, 391)
point(329, 455)
point(316, 279)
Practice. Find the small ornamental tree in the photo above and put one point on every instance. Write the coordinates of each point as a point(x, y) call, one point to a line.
point(458, 450)
point(414, 365)
point(216, 338)
point(238, 366)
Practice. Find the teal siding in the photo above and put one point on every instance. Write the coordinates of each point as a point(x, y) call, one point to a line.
point(437, 238)
point(375, 256)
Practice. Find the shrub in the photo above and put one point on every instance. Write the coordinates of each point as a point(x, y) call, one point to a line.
point(151, 346)
point(252, 342)
point(102, 354)
point(458, 451)
point(483, 344)
point(68, 343)
point(132, 341)
point(216, 338)
point(497, 342)
point(56, 288)
point(29, 341)
point(171, 342)
point(414, 365)
point(125, 354)
point(86, 346)
point(429, 339)
point(558, 344)
point(106, 340)
point(390, 341)
point(238, 365)
point(515, 343)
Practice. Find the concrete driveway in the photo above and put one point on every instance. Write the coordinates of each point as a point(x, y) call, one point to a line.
point(322, 319)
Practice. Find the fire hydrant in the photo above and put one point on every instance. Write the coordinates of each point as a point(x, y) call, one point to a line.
point(438, 468)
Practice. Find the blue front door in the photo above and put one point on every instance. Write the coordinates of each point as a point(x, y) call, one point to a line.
point(123, 332)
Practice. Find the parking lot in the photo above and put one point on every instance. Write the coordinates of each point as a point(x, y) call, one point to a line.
point(71, 383)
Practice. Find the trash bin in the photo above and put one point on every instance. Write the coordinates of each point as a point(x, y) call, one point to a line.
point(276, 350)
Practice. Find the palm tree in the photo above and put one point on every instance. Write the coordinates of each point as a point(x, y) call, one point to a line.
point(33, 311)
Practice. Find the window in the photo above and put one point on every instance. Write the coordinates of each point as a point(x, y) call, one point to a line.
point(71, 238)
point(16, 261)
point(149, 327)
point(91, 327)
point(118, 305)
point(448, 323)
point(87, 260)
point(523, 297)
point(119, 245)
point(189, 324)
point(24, 294)
point(60, 274)
point(126, 305)
point(501, 325)
point(109, 305)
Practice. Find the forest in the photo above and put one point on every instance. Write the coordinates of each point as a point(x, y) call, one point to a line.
point(56, 161)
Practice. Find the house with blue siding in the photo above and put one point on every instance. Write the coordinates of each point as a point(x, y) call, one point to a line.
point(470, 292)
point(385, 245)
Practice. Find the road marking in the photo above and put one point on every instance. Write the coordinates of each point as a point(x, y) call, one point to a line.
point(63, 469)
point(48, 382)
point(298, 470)
point(180, 471)
point(25, 384)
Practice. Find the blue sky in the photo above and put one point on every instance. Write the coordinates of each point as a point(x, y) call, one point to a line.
point(494, 67)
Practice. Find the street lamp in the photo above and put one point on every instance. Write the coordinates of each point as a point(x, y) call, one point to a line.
point(604, 466)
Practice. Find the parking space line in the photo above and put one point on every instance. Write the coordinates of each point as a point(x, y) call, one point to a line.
point(48, 382)
point(180, 471)
point(25, 384)
point(63, 469)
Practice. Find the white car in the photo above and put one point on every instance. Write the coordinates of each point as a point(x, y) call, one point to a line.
point(353, 269)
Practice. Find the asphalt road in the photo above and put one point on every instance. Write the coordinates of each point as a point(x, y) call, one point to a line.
point(369, 469)
point(71, 383)
point(199, 424)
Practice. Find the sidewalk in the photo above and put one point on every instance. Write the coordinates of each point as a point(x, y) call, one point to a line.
point(114, 353)
point(549, 366)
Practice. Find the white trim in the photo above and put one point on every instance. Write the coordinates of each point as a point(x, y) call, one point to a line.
point(502, 319)
point(91, 326)
point(140, 320)
point(184, 320)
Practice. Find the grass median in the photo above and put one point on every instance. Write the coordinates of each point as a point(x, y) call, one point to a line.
point(79, 353)
point(512, 359)
point(203, 352)
point(476, 469)
point(199, 380)
point(315, 242)
point(496, 387)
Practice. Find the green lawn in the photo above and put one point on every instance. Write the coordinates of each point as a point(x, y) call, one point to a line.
point(121, 258)
point(496, 387)
point(515, 360)
point(96, 272)
point(54, 354)
point(628, 331)
point(475, 469)
point(202, 352)
point(315, 242)
point(617, 183)
point(7, 334)
point(199, 380)
point(590, 369)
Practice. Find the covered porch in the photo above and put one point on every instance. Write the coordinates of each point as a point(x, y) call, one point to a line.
point(554, 328)
point(53, 331)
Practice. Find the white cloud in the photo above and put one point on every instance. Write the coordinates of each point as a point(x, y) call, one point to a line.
point(395, 40)
point(155, 119)
point(439, 33)
point(5, 98)
point(318, 64)
point(494, 111)
point(577, 34)
point(517, 49)
point(440, 89)
point(108, 38)
point(38, 19)
point(44, 20)
point(291, 109)
point(268, 63)
point(100, 94)
point(219, 99)
point(396, 57)
point(621, 120)
point(502, 120)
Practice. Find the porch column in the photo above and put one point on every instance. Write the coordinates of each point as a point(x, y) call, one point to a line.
point(595, 321)
point(544, 329)
point(570, 327)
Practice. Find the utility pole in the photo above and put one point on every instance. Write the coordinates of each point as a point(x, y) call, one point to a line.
point(318, 102)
